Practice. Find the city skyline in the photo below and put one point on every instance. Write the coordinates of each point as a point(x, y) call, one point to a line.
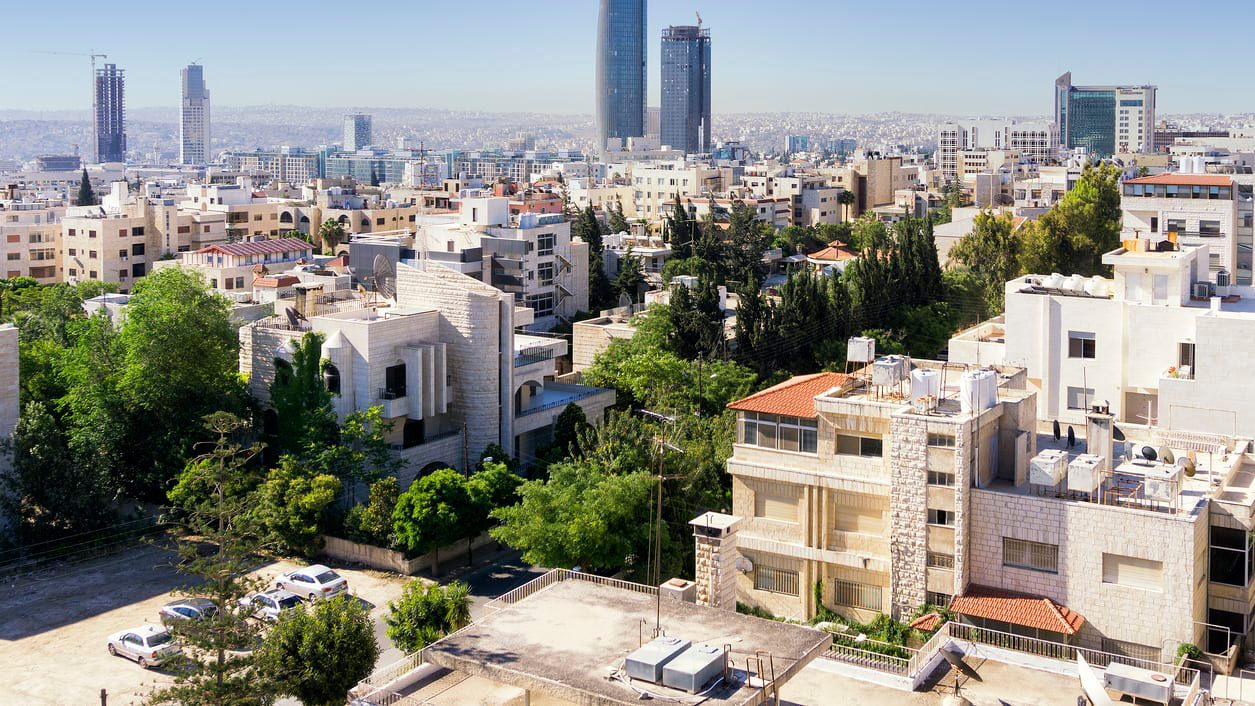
point(1116, 43)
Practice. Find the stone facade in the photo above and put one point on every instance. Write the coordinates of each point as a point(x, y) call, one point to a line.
point(716, 568)
point(8, 379)
point(908, 513)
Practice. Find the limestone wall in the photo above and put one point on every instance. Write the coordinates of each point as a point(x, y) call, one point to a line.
point(8, 379)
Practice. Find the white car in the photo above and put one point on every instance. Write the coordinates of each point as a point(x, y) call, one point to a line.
point(269, 605)
point(149, 645)
point(313, 582)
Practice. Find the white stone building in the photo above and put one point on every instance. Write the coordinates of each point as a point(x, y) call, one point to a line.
point(443, 361)
point(8, 379)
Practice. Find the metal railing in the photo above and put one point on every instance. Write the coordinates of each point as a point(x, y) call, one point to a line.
point(534, 354)
point(429, 439)
point(391, 393)
point(556, 576)
point(1056, 650)
point(851, 654)
point(566, 400)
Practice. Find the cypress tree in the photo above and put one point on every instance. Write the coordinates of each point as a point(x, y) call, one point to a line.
point(86, 197)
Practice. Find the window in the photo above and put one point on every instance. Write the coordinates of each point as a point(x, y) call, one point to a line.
point(1145, 574)
point(71, 252)
point(331, 378)
point(774, 580)
point(92, 254)
point(137, 231)
point(940, 561)
point(122, 274)
point(541, 304)
point(941, 600)
point(860, 514)
point(1081, 344)
point(857, 595)
point(781, 508)
point(940, 478)
point(1079, 397)
point(137, 249)
point(283, 371)
point(122, 254)
point(946, 440)
point(138, 269)
point(544, 244)
point(859, 445)
point(1229, 561)
point(944, 518)
point(1035, 556)
point(1209, 229)
point(73, 272)
point(545, 272)
point(394, 382)
point(13, 256)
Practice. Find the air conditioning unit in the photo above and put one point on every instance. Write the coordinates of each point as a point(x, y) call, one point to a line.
point(1202, 290)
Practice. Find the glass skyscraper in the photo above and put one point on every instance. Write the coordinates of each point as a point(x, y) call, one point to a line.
point(1104, 120)
point(685, 120)
point(194, 117)
point(621, 56)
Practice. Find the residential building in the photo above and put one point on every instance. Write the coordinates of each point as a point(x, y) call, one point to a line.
point(109, 115)
point(1104, 120)
point(1031, 142)
point(621, 70)
point(1216, 210)
point(443, 362)
point(874, 181)
point(357, 132)
point(231, 268)
point(30, 235)
point(685, 117)
point(292, 165)
point(194, 117)
point(658, 183)
point(815, 201)
point(237, 210)
point(8, 380)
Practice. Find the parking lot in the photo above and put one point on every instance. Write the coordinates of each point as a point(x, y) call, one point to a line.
point(53, 624)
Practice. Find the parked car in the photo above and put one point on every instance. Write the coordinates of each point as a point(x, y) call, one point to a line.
point(269, 605)
point(149, 645)
point(313, 582)
point(187, 609)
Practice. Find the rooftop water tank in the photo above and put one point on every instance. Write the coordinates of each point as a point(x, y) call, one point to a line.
point(693, 669)
point(978, 391)
point(925, 386)
point(647, 662)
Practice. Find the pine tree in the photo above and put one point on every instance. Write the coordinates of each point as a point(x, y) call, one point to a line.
point(86, 197)
point(618, 222)
point(681, 231)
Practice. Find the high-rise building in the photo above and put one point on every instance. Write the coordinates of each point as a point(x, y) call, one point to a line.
point(356, 131)
point(686, 88)
point(1031, 141)
point(796, 143)
point(621, 55)
point(194, 117)
point(109, 108)
point(1104, 119)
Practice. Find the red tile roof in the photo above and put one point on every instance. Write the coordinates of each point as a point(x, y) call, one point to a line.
point(259, 247)
point(792, 398)
point(927, 622)
point(280, 281)
point(1017, 608)
point(835, 252)
point(1183, 179)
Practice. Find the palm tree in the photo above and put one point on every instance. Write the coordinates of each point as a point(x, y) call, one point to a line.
point(845, 198)
point(331, 233)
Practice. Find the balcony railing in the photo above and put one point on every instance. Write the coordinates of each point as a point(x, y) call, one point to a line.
point(391, 393)
point(535, 354)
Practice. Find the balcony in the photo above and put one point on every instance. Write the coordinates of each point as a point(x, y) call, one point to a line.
point(393, 402)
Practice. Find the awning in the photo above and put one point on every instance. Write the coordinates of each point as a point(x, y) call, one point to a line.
point(1017, 609)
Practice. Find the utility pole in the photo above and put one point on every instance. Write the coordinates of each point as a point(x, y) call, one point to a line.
point(654, 571)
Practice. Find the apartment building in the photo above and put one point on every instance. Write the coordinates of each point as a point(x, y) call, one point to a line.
point(942, 491)
point(443, 361)
point(874, 181)
point(243, 213)
point(1217, 210)
point(814, 200)
point(1152, 342)
point(289, 164)
point(1030, 141)
point(30, 235)
point(657, 184)
point(231, 268)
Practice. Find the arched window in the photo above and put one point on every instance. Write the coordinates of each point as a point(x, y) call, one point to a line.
point(283, 371)
point(331, 378)
point(285, 217)
point(365, 222)
point(304, 219)
point(344, 220)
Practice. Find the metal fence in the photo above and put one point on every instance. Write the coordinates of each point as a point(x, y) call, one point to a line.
point(556, 576)
point(860, 657)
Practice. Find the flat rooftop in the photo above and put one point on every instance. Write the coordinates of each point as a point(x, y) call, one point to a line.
point(568, 638)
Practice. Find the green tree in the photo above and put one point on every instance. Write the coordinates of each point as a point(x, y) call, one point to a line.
point(371, 522)
point(432, 513)
point(743, 253)
point(493, 487)
point(580, 516)
point(1073, 236)
point(331, 233)
point(216, 672)
point(46, 494)
point(588, 228)
point(427, 612)
point(991, 252)
point(630, 278)
point(301, 400)
point(86, 197)
point(361, 453)
point(846, 198)
point(290, 509)
point(696, 320)
point(9, 285)
point(618, 222)
point(567, 427)
point(317, 652)
point(681, 231)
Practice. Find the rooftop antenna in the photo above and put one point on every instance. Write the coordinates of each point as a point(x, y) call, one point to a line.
point(655, 563)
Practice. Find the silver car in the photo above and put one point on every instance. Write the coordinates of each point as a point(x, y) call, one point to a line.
point(149, 645)
point(313, 582)
point(269, 605)
point(187, 609)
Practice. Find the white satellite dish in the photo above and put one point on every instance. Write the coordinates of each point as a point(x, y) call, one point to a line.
point(744, 565)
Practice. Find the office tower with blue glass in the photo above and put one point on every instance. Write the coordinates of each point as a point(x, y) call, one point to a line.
point(1104, 120)
point(357, 131)
point(194, 117)
point(686, 89)
point(621, 56)
point(109, 119)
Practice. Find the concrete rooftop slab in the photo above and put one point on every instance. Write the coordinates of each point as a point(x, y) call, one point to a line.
point(567, 639)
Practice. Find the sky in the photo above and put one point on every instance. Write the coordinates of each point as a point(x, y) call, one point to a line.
point(963, 57)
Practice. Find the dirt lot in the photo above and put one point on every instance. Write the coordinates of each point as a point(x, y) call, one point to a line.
point(53, 625)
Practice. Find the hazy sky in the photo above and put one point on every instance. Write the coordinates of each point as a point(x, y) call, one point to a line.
point(964, 57)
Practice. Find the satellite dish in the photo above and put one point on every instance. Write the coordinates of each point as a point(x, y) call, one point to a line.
point(955, 658)
point(1117, 434)
point(624, 299)
point(744, 565)
point(294, 317)
point(1149, 453)
point(385, 278)
point(1165, 455)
